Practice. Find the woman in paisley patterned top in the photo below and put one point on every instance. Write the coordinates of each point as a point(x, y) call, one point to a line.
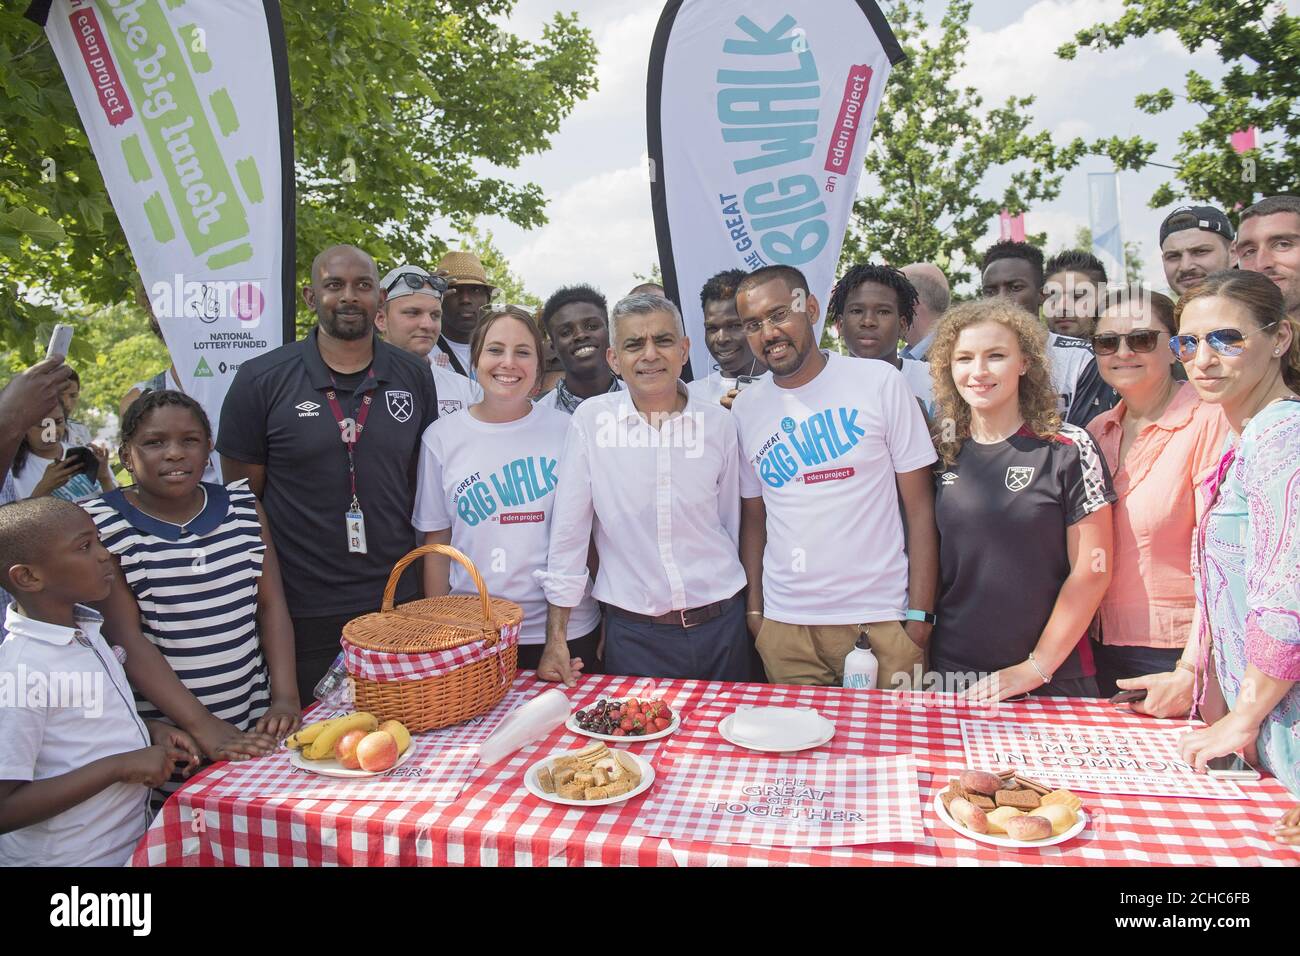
point(1242, 353)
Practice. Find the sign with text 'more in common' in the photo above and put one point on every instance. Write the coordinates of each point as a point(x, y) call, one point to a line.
point(758, 115)
point(186, 105)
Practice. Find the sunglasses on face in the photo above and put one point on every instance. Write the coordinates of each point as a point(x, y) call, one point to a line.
point(1139, 340)
point(416, 281)
point(1223, 341)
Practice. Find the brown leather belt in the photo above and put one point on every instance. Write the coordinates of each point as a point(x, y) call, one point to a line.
point(687, 618)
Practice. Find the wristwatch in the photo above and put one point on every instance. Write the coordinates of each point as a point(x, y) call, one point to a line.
point(914, 615)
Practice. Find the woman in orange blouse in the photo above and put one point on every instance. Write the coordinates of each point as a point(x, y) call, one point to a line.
point(1158, 442)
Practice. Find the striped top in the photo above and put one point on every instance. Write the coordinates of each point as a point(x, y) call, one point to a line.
point(196, 587)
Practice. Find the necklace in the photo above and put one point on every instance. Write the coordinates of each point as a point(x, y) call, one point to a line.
point(183, 525)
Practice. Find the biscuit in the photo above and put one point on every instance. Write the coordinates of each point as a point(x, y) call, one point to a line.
point(981, 801)
point(1020, 799)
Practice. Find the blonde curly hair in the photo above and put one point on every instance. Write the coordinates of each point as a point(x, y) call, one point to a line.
point(951, 422)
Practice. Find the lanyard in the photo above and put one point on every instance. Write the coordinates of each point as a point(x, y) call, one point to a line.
point(359, 422)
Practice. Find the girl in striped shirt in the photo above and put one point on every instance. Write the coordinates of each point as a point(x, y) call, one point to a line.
point(200, 571)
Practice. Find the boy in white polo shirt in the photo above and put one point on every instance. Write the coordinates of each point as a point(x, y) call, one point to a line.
point(830, 447)
point(76, 762)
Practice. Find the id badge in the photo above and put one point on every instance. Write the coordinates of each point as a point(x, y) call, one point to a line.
point(356, 526)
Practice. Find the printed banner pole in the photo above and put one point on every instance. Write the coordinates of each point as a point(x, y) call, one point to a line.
point(1105, 222)
point(198, 162)
point(758, 115)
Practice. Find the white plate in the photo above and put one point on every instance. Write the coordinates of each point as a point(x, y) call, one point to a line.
point(992, 839)
point(724, 728)
point(535, 788)
point(332, 768)
point(572, 725)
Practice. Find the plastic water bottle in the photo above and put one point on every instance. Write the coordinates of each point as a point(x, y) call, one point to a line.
point(334, 689)
point(861, 666)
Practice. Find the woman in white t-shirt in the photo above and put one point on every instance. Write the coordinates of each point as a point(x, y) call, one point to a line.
point(487, 486)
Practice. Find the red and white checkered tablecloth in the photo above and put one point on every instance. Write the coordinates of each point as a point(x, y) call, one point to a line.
point(495, 821)
point(786, 802)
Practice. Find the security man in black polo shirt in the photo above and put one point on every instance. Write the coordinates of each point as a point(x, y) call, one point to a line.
point(339, 510)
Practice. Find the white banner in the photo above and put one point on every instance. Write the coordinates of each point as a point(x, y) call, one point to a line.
point(1104, 221)
point(187, 109)
point(758, 116)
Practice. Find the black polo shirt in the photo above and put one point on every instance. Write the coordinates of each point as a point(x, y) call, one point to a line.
point(276, 414)
point(1002, 511)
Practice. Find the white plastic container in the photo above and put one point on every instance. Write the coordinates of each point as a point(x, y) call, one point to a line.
point(526, 723)
point(861, 666)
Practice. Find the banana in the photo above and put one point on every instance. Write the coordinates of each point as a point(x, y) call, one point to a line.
point(322, 748)
point(308, 733)
point(400, 734)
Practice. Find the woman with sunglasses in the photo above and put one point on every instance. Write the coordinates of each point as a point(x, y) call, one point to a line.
point(1159, 443)
point(1242, 353)
point(487, 487)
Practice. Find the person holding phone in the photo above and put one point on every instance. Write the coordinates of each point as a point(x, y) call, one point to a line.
point(1159, 443)
point(1242, 353)
point(45, 465)
point(736, 367)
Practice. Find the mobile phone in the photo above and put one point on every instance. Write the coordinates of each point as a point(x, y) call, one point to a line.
point(744, 381)
point(86, 456)
point(1231, 767)
point(60, 339)
point(1129, 696)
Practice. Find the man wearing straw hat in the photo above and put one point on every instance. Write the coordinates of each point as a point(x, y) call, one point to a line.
point(652, 476)
point(468, 291)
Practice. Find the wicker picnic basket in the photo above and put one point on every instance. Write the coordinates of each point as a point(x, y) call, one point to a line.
point(434, 662)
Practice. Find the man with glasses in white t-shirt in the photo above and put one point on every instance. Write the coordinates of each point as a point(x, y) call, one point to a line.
point(830, 445)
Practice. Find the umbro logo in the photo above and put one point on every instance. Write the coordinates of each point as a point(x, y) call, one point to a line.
point(307, 409)
point(949, 477)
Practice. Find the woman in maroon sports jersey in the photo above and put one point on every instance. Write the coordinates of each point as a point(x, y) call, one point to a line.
point(1022, 502)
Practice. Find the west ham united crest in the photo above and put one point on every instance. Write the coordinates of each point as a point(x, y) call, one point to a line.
point(400, 405)
point(1018, 477)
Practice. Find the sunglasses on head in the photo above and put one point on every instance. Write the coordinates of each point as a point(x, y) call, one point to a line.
point(1223, 341)
point(416, 281)
point(1139, 340)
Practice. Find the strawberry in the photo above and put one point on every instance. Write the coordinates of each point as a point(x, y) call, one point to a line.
point(661, 723)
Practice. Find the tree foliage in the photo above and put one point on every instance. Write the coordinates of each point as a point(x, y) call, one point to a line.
point(933, 145)
point(399, 107)
point(1260, 44)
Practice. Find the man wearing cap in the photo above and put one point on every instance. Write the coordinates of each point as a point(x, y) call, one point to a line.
point(411, 319)
point(327, 432)
point(1194, 241)
point(468, 291)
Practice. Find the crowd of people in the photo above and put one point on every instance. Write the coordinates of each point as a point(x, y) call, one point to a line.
point(1062, 487)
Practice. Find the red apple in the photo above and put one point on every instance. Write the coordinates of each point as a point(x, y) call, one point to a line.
point(377, 751)
point(346, 749)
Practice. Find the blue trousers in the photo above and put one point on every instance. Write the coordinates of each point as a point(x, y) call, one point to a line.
point(715, 650)
point(1116, 662)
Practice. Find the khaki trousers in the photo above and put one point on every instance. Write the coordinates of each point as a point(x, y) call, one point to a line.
point(814, 654)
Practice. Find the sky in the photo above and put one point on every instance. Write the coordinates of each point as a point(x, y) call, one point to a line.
point(600, 229)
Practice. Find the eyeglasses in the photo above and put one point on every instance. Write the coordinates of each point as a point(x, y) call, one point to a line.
point(1223, 341)
point(1139, 340)
point(779, 318)
point(416, 281)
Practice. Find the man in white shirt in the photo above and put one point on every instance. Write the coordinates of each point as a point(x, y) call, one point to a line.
point(576, 321)
point(651, 475)
point(411, 319)
point(735, 363)
point(873, 307)
point(1015, 270)
point(830, 445)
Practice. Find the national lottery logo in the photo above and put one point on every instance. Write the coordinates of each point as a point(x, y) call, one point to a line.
point(787, 425)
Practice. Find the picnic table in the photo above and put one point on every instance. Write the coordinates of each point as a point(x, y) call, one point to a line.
point(265, 813)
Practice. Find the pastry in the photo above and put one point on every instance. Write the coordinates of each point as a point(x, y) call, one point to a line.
point(980, 781)
point(999, 817)
point(544, 780)
point(1028, 828)
point(969, 815)
point(1059, 815)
